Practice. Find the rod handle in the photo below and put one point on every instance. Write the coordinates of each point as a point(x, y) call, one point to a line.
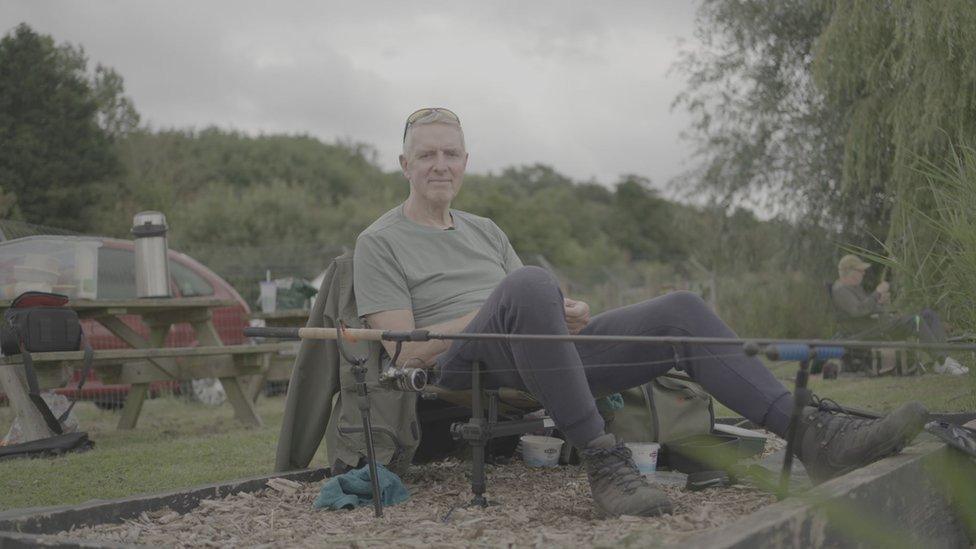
point(314, 333)
point(800, 352)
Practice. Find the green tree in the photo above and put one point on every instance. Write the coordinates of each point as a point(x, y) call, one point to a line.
point(766, 134)
point(116, 113)
point(643, 223)
point(545, 213)
point(825, 110)
point(55, 159)
point(904, 75)
point(761, 128)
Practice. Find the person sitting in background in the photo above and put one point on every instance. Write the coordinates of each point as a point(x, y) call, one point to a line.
point(870, 314)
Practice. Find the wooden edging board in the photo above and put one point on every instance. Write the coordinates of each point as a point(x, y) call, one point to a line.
point(34, 526)
point(895, 501)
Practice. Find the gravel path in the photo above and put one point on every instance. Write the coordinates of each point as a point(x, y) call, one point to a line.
point(535, 507)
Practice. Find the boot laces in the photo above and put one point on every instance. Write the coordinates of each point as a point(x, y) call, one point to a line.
point(826, 405)
point(843, 421)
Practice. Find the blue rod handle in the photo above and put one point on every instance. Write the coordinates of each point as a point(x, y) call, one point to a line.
point(800, 352)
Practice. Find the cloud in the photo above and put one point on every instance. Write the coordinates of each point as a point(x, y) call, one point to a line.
point(584, 89)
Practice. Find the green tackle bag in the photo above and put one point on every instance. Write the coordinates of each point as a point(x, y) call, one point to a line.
point(667, 408)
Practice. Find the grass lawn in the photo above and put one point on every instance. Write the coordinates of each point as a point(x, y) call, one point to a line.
point(179, 444)
point(176, 444)
point(939, 393)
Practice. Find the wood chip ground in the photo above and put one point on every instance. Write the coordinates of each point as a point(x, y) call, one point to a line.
point(533, 508)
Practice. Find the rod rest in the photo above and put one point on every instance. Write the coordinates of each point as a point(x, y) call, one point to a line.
point(480, 430)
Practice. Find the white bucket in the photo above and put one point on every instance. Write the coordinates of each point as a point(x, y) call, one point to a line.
point(645, 455)
point(539, 451)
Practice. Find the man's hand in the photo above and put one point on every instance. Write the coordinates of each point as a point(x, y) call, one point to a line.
point(884, 296)
point(577, 314)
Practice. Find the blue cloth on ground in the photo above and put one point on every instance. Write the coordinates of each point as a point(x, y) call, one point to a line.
point(614, 402)
point(353, 489)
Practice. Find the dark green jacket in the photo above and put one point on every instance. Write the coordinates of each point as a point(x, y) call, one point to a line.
point(321, 401)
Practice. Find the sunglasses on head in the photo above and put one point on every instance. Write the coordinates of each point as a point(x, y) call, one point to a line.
point(421, 113)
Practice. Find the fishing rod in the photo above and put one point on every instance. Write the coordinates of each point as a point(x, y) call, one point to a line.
point(780, 349)
point(415, 379)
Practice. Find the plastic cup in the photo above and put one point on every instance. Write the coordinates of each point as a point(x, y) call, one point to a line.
point(645, 455)
point(86, 270)
point(269, 296)
point(539, 451)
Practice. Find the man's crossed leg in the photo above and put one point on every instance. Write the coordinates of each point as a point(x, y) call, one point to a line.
point(566, 376)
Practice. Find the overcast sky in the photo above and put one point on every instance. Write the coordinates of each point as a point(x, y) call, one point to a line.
point(585, 89)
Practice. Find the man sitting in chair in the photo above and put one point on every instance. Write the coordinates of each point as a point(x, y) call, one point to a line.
point(425, 265)
point(868, 315)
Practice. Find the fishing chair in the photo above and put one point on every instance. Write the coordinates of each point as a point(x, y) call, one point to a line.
point(495, 413)
point(867, 360)
point(492, 414)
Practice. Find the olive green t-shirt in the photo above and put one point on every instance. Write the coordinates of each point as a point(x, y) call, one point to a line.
point(439, 274)
point(854, 302)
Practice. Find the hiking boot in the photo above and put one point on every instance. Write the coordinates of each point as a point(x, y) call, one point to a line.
point(617, 486)
point(831, 442)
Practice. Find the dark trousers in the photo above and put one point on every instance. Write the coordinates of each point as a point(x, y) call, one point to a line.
point(565, 377)
point(926, 325)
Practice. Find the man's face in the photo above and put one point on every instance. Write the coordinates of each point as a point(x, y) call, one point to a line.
point(434, 163)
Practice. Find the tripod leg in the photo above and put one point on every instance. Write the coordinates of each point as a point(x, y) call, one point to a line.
point(801, 396)
point(363, 400)
point(478, 445)
point(491, 420)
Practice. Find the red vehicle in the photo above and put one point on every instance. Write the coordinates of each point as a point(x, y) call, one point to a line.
point(116, 279)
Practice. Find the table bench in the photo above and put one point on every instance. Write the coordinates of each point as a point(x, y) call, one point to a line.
point(140, 367)
point(148, 360)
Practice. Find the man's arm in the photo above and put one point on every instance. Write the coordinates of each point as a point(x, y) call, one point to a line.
point(426, 351)
point(577, 317)
point(853, 305)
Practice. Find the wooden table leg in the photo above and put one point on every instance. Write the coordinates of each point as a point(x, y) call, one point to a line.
point(138, 391)
point(133, 405)
point(243, 406)
point(13, 382)
point(256, 383)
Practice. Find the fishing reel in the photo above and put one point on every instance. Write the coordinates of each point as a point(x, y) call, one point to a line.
point(404, 379)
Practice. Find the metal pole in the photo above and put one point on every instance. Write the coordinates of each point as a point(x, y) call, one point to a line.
point(801, 397)
point(477, 444)
point(363, 400)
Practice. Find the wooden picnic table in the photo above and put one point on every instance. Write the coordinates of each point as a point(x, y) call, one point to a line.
point(283, 317)
point(280, 364)
point(149, 361)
